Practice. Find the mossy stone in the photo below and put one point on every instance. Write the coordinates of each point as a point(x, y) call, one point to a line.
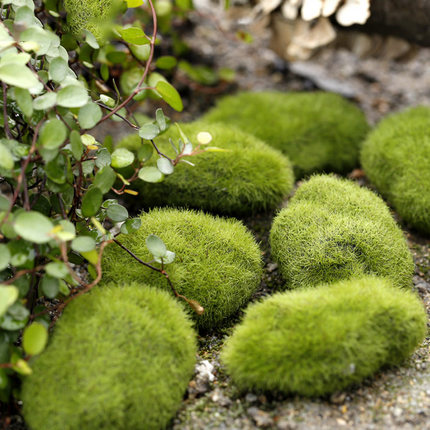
point(249, 177)
point(333, 229)
point(322, 340)
point(317, 131)
point(396, 158)
point(120, 358)
point(218, 262)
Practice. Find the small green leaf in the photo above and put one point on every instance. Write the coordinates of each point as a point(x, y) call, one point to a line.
point(6, 159)
point(91, 40)
point(170, 95)
point(8, 296)
point(91, 256)
point(150, 174)
point(104, 179)
point(34, 338)
point(89, 115)
point(76, 144)
point(50, 286)
point(122, 157)
point(33, 226)
point(134, 3)
point(117, 213)
point(72, 96)
point(22, 367)
point(91, 202)
point(53, 134)
point(156, 246)
point(45, 101)
point(24, 100)
point(165, 166)
point(21, 77)
point(131, 225)
point(167, 62)
point(161, 119)
point(4, 256)
point(167, 259)
point(58, 69)
point(134, 35)
point(149, 131)
point(144, 153)
point(83, 244)
point(57, 269)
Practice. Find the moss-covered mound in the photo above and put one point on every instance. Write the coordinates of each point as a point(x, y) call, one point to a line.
point(396, 158)
point(250, 177)
point(317, 131)
point(120, 358)
point(217, 261)
point(91, 15)
point(317, 341)
point(332, 229)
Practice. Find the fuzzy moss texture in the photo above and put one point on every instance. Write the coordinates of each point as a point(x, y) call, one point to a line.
point(217, 261)
point(396, 158)
point(318, 341)
point(332, 229)
point(120, 358)
point(91, 15)
point(317, 131)
point(251, 177)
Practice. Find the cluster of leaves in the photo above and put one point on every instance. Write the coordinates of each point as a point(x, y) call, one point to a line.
point(57, 180)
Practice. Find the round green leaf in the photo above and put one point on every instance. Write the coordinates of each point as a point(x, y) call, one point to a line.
point(131, 225)
point(165, 166)
point(156, 246)
point(104, 179)
point(72, 96)
point(24, 100)
point(83, 244)
point(134, 35)
point(150, 174)
point(76, 144)
point(149, 131)
point(144, 153)
point(53, 134)
point(91, 40)
point(6, 159)
point(33, 226)
point(89, 115)
point(21, 77)
point(117, 213)
point(91, 202)
point(56, 269)
point(122, 157)
point(4, 256)
point(45, 101)
point(8, 296)
point(34, 338)
point(167, 259)
point(170, 95)
point(50, 286)
point(58, 69)
point(167, 62)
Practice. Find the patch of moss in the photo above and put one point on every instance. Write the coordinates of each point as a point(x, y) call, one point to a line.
point(217, 261)
point(318, 341)
point(332, 229)
point(250, 177)
point(317, 131)
point(396, 158)
point(120, 358)
point(92, 15)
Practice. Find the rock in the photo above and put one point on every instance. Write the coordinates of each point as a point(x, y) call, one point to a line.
point(218, 397)
point(204, 376)
point(251, 398)
point(261, 418)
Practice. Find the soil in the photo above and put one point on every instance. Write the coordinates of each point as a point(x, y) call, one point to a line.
point(397, 398)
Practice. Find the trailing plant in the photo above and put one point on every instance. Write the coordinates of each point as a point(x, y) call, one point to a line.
point(58, 82)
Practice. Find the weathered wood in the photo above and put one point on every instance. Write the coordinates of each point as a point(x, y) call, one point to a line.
point(409, 19)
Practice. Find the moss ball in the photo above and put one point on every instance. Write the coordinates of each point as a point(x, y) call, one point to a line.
point(120, 358)
point(92, 15)
point(318, 341)
point(317, 131)
point(250, 177)
point(396, 158)
point(218, 262)
point(332, 229)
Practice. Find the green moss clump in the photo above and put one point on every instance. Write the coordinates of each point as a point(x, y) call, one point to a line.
point(120, 358)
point(396, 158)
point(92, 15)
point(250, 177)
point(318, 341)
point(317, 131)
point(217, 261)
point(332, 229)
